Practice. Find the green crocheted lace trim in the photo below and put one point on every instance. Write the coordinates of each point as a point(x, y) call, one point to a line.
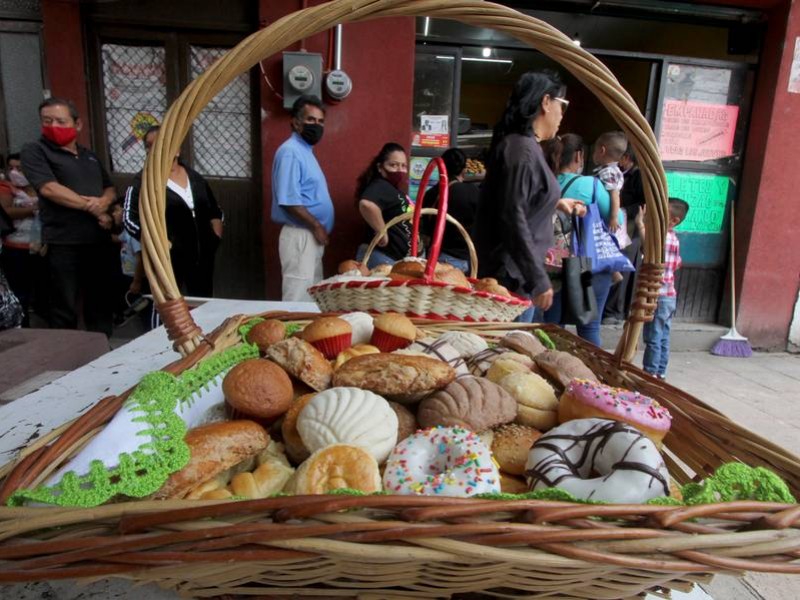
point(145, 470)
point(292, 328)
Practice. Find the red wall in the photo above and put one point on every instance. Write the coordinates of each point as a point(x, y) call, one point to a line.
point(768, 248)
point(63, 44)
point(379, 57)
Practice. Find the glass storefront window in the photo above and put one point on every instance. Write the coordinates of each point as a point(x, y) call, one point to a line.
point(434, 80)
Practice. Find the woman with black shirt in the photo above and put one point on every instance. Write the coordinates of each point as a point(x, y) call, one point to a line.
point(381, 196)
point(462, 203)
point(514, 224)
point(194, 224)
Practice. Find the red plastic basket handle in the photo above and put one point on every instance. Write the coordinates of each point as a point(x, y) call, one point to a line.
point(441, 217)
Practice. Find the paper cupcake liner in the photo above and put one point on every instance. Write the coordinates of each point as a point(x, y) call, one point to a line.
point(332, 346)
point(386, 342)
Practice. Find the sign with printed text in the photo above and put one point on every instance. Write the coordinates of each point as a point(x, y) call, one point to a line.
point(434, 131)
point(697, 130)
point(707, 196)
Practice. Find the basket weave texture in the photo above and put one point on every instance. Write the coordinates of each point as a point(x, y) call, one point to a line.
point(407, 546)
point(586, 68)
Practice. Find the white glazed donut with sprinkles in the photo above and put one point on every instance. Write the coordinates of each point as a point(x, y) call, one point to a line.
point(441, 461)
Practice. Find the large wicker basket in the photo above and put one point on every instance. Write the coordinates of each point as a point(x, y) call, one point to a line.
point(407, 547)
point(413, 547)
point(424, 297)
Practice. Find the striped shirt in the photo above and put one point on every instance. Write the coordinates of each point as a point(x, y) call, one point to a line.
point(672, 262)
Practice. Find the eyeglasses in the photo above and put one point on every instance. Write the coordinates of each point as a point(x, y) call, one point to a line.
point(564, 104)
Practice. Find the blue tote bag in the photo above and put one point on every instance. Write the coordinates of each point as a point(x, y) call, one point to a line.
point(592, 239)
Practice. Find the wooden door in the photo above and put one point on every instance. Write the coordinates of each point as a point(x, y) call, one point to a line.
point(135, 74)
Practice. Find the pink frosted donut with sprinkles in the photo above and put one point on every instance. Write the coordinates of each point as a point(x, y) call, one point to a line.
point(441, 461)
point(583, 399)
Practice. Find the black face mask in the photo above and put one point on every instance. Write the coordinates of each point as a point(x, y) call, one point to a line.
point(312, 133)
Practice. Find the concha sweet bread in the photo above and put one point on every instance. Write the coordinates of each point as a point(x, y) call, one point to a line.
point(362, 325)
point(473, 403)
point(468, 344)
point(479, 363)
point(336, 467)
point(406, 421)
point(440, 349)
point(395, 376)
point(505, 366)
point(347, 415)
point(300, 359)
point(523, 342)
point(538, 405)
point(563, 367)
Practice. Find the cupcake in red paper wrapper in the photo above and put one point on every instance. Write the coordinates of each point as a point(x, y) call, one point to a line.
point(393, 332)
point(329, 335)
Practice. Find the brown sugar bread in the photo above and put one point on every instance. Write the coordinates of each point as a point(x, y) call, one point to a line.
point(563, 367)
point(329, 335)
point(523, 342)
point(301, 360)
point(214, 448)
point(510, 446)
point(537, 402)
point(295, 448)
point(336, 467)
point(266, 333)
point(469, 402)
point(406, 421)
point(258, 389)
point(396, 377)
point(392, 331)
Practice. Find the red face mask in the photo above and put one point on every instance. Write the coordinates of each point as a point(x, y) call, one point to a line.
point(59, 135)
point(398, 179)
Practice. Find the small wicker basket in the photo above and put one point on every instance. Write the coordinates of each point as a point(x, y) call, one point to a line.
point(422, 298)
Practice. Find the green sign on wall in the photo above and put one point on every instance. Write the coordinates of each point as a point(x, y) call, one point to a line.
point(707, 196)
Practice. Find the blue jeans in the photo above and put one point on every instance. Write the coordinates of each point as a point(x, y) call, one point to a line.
point(376, 258)
point(656, 337)
point(459, 263)
point(601, 283)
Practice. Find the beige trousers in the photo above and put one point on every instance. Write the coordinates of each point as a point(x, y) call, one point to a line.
point(301, 263)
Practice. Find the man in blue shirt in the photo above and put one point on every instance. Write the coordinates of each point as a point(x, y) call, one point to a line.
point(301, 201)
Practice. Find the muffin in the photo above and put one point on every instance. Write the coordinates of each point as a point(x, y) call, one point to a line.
point(392, 332)
point(258, 389)
point(266, 333)
point(329, 335)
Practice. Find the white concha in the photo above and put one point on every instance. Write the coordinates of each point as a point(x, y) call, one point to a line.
point(361, 324)
point(467, 344)
point(347, 415)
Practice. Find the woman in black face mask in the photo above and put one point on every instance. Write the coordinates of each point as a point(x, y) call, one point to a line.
point(381, 195)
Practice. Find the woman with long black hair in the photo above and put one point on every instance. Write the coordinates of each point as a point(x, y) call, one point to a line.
point(381, 195)
point(514, 224)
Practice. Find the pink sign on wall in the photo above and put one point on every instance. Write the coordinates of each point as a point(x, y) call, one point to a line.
point(697, 130)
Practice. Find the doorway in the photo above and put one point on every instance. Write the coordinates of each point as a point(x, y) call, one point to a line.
point(135, 75)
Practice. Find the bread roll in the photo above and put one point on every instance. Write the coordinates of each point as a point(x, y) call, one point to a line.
point(214, 448)
point(266, 333)
point(257, 388)
point(300, 359)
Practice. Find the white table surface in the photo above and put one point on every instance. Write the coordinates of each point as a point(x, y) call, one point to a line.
point(38, 413)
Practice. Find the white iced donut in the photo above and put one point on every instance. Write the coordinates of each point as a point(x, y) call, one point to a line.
point(629, 468)
point(441, 461)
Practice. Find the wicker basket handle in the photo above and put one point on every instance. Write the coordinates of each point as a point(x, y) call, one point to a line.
point(438, 230)
point(473, 256)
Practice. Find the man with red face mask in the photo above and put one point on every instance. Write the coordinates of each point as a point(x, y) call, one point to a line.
point(75, 193)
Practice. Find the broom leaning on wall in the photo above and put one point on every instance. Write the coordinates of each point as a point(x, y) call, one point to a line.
point(733, 344)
